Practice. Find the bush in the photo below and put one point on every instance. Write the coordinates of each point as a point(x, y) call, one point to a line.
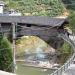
point(5, 55)
point(72, 21)
point(65, 52)
point(42, 7)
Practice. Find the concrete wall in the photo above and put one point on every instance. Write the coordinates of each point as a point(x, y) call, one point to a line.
point(1, 9)
point(6, 73)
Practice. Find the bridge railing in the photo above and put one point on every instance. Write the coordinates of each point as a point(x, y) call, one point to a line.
point(69, 61)
point(64, 67)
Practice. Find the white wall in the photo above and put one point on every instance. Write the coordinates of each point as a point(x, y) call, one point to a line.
point(1, 9)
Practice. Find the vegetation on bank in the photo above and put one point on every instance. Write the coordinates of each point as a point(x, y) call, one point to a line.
point(72, 21)
point(36, 7)
point(65, 52)
point(6, 60)
point(70, 6)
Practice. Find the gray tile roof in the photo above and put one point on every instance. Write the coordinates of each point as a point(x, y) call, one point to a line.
point(36, 20)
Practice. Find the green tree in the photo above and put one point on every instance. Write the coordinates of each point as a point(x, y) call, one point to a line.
point(41, 7)
point(65, 52)
point(5, 55)
point(72, 21)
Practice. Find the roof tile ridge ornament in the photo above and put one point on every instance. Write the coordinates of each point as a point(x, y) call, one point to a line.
point(61, 17)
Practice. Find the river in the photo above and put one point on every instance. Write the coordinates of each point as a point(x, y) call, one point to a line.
point(24, 70)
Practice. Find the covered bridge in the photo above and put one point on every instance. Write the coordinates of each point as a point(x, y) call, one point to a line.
point(43, 27)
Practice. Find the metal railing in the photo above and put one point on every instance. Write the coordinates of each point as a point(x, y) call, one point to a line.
point(69, 61)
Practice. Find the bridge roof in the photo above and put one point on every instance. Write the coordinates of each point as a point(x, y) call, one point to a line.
point(36, 20)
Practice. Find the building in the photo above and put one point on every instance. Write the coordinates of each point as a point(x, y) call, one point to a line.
point(11, 12)
point(1, 7)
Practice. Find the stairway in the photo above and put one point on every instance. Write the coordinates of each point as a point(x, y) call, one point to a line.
point(71, 41)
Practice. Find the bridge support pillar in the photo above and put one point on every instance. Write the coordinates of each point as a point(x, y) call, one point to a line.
point(14, 48)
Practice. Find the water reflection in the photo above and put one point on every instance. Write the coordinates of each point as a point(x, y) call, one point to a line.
point(39, 59)
point(40, 54)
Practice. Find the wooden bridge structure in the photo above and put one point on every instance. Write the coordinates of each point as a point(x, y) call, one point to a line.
point(43, 27)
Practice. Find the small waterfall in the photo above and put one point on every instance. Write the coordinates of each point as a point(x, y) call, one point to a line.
point(39, 53)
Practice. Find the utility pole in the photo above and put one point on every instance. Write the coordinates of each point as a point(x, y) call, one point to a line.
point(14, 36)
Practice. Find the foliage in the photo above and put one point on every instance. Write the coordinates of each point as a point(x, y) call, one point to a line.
point(65, 52)
point(72, 21)
point(5, 55)
point(37, 7)
point(66, 48)
point(70, 4)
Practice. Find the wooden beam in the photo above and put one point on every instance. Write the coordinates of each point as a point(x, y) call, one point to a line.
point(14, 36)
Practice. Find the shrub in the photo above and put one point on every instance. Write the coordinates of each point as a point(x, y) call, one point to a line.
point(5, 55)
point(65, 52)
point(72, 21)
